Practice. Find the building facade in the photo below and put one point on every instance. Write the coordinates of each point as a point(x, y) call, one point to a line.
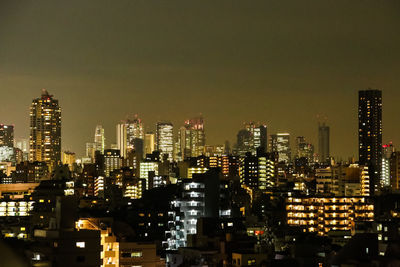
point(165, 139)
point(370, 134)
point(323, 143)
point(45, 130)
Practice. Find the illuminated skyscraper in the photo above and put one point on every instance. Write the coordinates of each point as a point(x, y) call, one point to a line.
point(244, 142)
point(260, 138)
point(149, 143)
point(184, 143)
point(127, 134)
point(304, 149)
point(99, 139)
point(192, 138)
point(370, 134)
point(251, 138)
point(323, 143)
point(91, 151)
point(388, 150)
point(165, 139)
point(7, 135)
point(45, 130)
point(280, 143)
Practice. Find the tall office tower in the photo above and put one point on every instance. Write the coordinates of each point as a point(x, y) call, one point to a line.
point(149, 143)
point(370, 134)
point(323, 143)
point(197, 136)
point(7, 135)
point(99, 139)
point(45, 130)
point(121, 139)
point(183, 143)
point(127, 132)
point(165, 139)
point(23, 145)
point(280, 143)
point(91, 151)
point(191, 138)
point(243, 142)
point(260, 138)
point(385, 172)
point(304, 149)
point(252, 138)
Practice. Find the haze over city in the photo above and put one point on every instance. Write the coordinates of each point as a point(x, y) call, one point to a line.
point(281, 63)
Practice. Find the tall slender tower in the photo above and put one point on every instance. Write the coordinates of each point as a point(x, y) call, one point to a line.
point(99, 139)
point(323, 143)
point(45, 130)
point(165, 139)
point(370, 134)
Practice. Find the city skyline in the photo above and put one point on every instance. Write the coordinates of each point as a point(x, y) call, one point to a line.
point(199, 133)
point(240, 62)
point(111, 137)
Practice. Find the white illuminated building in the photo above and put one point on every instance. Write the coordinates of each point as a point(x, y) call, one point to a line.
point(387, 151)
point(189, 208)
point(145, 168)
point(99, 139)
point(280, 143)
point(165, 139)
point(15, 208)
point(6, 154)
point(184, 218)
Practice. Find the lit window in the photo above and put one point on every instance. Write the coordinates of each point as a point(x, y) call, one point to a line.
point(136, 254)
point(80, 244)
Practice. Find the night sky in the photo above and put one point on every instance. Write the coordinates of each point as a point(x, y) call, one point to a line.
point(283, 63)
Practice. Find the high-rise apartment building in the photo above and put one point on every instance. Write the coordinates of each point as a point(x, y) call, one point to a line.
point(45, 130)
point(323, 143)
point(280, 143)
point(258, 171)
point(7, 135)
point(165, 139)
point(112, 161)
point(99, 139)
point(370, 134)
